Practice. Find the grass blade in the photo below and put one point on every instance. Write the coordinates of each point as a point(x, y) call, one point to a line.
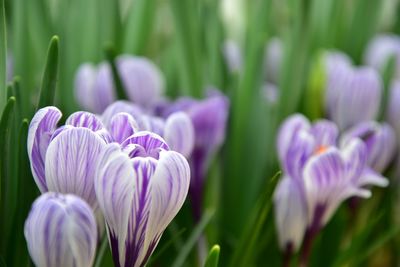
point(50, 75)
point(119, 87)
point(213, 257)
point(3, 54)
point(191, 242)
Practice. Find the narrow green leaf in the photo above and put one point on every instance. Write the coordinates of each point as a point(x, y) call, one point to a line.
point(213, 257)
point(6, 125)
point(243, 255)
point(101, 251)
point(119, 86)
point(193, 238)
point(387, 76)
point(3, 54)
point(138, 26)
point(50, 75)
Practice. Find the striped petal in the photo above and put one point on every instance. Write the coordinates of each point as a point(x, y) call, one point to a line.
point(288, 131)
point(327, 184)
point(61, 231)
point(71, 163)
point(325, 133)
point(122, 126)
point(85, 78)
point(290, 213)
point(91, 121)
point(41, 129)
point(151, 142)
point(118, 107)
point(179, 133)
point(169, 188)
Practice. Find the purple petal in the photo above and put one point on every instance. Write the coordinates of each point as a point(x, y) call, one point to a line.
point(151, 142)
point(288, 130)
point(152, 124)
point(71, 163)
point(86, 120)
point(85, 79)
point(327, 184)
point(393, 108)
point(355, 157)
point(41, 128)
point(170, 185)
point(142, 79)
point(122, 126)
point(61, 231)
point(370, 177)
point(325, 133)
point(118, 107)
point(179, 133)
point(290, 213)
point(104, 92)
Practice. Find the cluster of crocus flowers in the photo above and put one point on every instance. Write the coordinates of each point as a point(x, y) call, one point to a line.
point(318, 175)
point(110, 170)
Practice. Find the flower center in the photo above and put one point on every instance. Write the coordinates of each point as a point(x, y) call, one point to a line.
point(320, 149)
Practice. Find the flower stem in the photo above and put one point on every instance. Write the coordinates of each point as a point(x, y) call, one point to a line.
point(287, 255)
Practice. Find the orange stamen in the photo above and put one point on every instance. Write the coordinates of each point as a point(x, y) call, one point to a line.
point(320, 150)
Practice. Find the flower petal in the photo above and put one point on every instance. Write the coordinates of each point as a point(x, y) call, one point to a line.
point(41, 128)
point(169, 188)
point(355, 157)
point(84, 85)
point(122, 126)
point(287, 131)
point(61, 231)
point(290, 212)
point(120, 106)
point(370, 177)
point(179, 133)
point(325, 133)
point(151, 142)
point(71, 163)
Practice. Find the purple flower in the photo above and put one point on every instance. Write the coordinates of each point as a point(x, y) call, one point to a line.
point(142, 80)
point(61, 231)
point(63, 159)
point(318, 176)
point(352, 94)
point(140, 188)
point(379, 51)
point(380, 141)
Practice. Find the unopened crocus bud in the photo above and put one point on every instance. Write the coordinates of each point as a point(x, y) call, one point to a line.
point(179, 133)
point(352, 95)
point(381, 49)
point(61, 231)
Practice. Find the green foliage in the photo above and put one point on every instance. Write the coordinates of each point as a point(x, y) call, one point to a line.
point(213, 257)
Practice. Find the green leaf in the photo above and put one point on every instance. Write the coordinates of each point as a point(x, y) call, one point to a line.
point(193, 238)
point(387, 76)
point(119, 87)
point(50, 75)
point(138, 26)
point(244, 253)
point(3, 54)
point(213, 257)
point(6, 126)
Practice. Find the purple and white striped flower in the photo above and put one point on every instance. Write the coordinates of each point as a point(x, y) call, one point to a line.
point(142, 80)
point(352, 94)
point(63, 159)
point(140, 188)
point(61, 231)
point(318, 176)
point(380, 141)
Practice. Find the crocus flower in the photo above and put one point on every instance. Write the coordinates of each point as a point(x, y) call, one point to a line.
point(380, 141)
point(318, 176)
point(140, 187)
point(381, 49)
point(352, 94)
point(209, 118)
point(142, 81)
point(62, 159)
point(61, 231)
